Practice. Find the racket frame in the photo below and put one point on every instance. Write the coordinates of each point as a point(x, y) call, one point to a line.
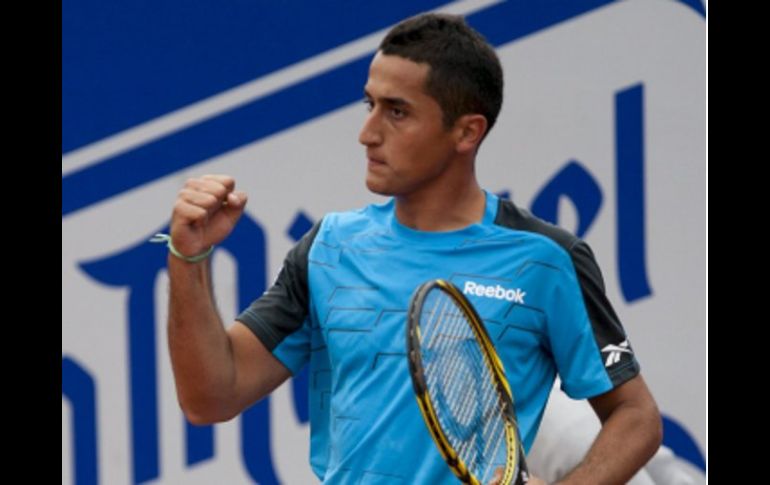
point(492, 361)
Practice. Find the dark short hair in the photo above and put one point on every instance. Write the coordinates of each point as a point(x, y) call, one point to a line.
point(465, 73)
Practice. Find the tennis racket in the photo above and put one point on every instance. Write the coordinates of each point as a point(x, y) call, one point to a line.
point(461, 387)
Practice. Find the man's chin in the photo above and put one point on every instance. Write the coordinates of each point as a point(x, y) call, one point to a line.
point(377, 187)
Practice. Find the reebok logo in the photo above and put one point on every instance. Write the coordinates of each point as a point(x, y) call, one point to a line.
point(615, 351)
point(497, 292)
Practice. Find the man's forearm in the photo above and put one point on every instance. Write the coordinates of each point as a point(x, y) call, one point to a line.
point(627, 440)
point(200, 351)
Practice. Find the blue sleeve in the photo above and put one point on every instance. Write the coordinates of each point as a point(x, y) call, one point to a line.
point(294, 349)
point(589, 345)
point(282, 309)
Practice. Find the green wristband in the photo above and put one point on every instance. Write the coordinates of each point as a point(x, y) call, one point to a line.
point(160, 238)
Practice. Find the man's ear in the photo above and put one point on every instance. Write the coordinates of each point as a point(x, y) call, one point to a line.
point(470, 130)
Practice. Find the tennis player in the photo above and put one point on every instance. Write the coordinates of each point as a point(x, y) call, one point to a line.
point(339, 303)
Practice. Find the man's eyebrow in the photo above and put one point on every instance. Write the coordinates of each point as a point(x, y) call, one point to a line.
point(388, 100)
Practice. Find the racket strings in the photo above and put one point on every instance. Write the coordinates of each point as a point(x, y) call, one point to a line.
point(494, 428)
point(461, 382)
point(452, 361)
point(482, 403)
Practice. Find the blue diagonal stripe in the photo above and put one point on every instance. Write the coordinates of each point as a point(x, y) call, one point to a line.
point(305, 100)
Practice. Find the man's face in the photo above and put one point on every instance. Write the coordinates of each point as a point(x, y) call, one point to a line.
point(407, 146)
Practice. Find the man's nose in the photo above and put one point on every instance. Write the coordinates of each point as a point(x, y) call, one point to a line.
point(370, 134)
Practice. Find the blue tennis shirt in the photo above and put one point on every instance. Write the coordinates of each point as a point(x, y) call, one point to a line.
point(340, 302)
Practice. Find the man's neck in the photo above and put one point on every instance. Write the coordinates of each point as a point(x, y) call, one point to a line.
point(446, 209)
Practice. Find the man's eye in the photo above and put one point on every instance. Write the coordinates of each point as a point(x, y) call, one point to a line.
point(369, 104)
point(397, 113)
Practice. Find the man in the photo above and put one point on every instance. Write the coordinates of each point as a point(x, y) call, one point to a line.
point(434, 91)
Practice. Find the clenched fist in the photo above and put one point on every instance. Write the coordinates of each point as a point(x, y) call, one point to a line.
point(205, 213)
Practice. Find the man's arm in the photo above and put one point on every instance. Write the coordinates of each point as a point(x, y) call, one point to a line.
point(217, 373)
point(631, 433)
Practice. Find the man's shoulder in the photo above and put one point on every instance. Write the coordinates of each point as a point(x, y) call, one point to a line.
point(516, 218)
point(343, 225)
